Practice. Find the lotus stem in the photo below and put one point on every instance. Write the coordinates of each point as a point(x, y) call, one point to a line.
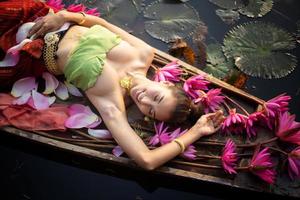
point(226, 106)
point(237, 104)
point(278, 150)
point(208, 156)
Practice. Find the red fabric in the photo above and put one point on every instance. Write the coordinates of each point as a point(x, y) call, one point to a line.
point(14, 13)
point(26, 118)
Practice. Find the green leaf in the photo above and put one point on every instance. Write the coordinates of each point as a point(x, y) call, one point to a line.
point(259, 49)
point(228, 16)
point(228, 4)
point(167, 25)
point(117, 11)
point(257, 8)
point(217, 64)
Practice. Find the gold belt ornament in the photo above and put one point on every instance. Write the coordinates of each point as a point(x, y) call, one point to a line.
point(49, 52)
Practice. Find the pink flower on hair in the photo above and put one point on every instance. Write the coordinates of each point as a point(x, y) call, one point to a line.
point(229, 157)
point(161, 135)
point(169, 72)
point(194, 84)
point(288, 129)
point(234, 122)
point(294, 163)
point(262, 166)
point(210, 100)
point(277, 105)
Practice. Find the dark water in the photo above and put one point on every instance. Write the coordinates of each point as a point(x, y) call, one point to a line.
point(32, 171)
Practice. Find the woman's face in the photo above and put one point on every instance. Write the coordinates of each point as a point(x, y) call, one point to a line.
point(154, 99)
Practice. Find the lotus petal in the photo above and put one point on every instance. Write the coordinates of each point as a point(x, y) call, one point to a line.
point(228, 4)
point(23, 99)
point(23, 85)
point(62, 91)
point(80, 120)
point(51, 83)
point(258, 49)
point(96, 123)
point(167, 25)
point(100, 133)
point(257, 8)
point(73, 90)
point(40, 102)
point(117, 151)
point(23, 31)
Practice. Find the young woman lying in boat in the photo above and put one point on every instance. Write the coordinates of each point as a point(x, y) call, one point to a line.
point(110, 66)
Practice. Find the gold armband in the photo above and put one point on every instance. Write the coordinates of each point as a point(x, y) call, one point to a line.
point(180, 143)
point(83, 20)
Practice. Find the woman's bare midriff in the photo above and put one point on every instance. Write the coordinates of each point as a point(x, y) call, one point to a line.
point(123, 57)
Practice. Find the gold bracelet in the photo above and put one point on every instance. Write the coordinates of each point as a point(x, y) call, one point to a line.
point(180, 143)
point(83, 20)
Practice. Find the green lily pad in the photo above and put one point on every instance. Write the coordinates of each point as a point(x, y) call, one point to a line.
point(167, 25)
point(260, 49)
point(228, 16)
point(257, 8)
point(217, 64)
point(116, 11)
point(228, 4)
point(298, 31)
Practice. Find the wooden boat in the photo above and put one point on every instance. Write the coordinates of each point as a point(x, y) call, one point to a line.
point(79, 142)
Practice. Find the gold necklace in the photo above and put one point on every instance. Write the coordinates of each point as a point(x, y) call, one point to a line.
point(126, 83)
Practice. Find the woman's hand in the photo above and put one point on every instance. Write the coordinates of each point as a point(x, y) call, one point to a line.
point(50, 22)
point(209, 123)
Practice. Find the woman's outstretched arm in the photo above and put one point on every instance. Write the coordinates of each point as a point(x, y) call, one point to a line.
point(53, 21)
point(107, 98)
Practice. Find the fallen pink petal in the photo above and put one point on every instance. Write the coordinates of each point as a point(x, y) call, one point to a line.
point(100, 133)
point(51, 83)
point(73, 90)
point(62, 91)
point(80, 120)
point(23, 85)
point(22, 99)
point(40, 102)
point(117, 151)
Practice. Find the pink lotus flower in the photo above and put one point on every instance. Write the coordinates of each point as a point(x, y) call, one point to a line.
point(56, 4)
point(294, 163)
point(234, 122)
point(251, 121)
point(82, 8)
point(76, 8)
point(262, 166)
point(277, 105)
point(189, 153)
point(161, 135)
point(210, 100)
point(169, 72)
point(194, 84)
point(288, 129)
point(229, 157)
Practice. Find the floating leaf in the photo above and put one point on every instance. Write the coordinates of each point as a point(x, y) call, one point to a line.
point(257, 8)
point(298, 31)
point(217, 64)
point(119, 12)
point(228, 16)
point(258, 49)
point(167, 25)
point(228, 4)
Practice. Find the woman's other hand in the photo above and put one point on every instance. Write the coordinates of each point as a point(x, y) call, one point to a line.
point(209, 123)
point(50, 22)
